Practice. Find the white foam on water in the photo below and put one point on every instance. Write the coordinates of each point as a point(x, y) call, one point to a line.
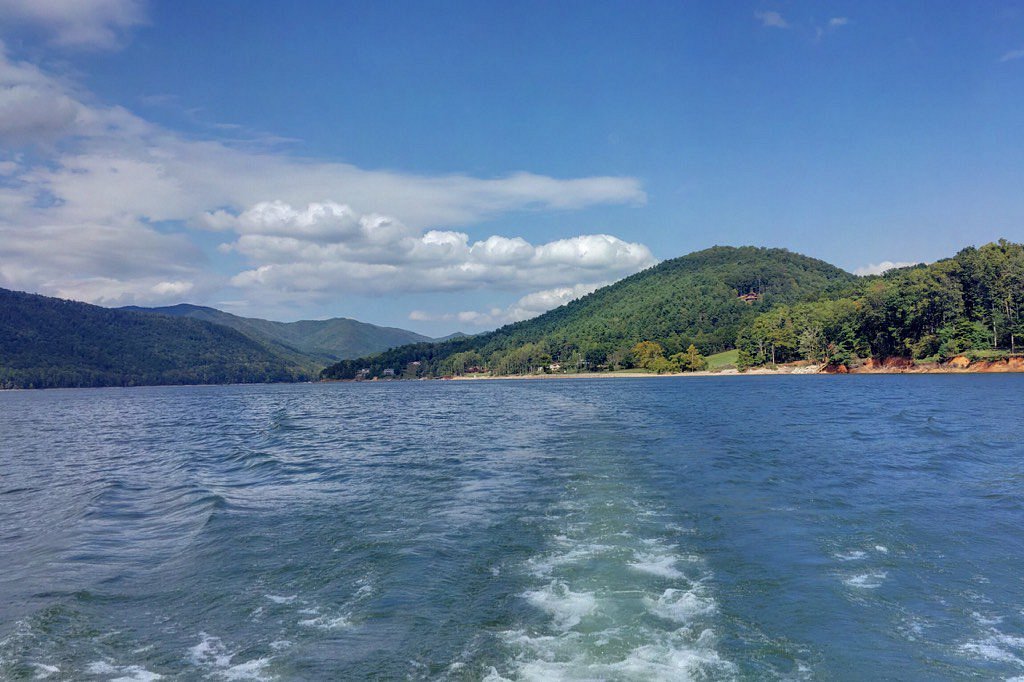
point(912, 629)
point(281, 600)
point(867, 581)
point(43, 670)
point(990, 651)
point(122, 673)
point(542, 566)
point(681, 606)
point(853, 555)
point(881, 548)
point(670, 656)
point(212, 654)
point(326, 622)
point(567, 608)
point(249, 670)
point(997, 646)
point(662, 565)
point(614, 596)
point(682, 530)
point(986, 620)
point(618, 602)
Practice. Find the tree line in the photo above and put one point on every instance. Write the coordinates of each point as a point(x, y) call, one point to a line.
point(771, 305)
point(966, 305)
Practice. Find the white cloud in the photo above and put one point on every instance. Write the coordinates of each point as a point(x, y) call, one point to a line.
point(1012, 55)
point(879, 268)
point(117, 263)
point(85, 217)
point(177, 288)
point(527, 307)
point(502, 250)
point(34, 107)
point(77, 23)
point(836, 22)
point(328, 247)
point(771, 19)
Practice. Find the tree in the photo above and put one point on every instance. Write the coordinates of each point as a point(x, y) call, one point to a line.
point(691, 360)
point(647, 352)
point(812, 343)
point(662, 365)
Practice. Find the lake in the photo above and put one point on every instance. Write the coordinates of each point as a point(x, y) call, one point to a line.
point(750, 528)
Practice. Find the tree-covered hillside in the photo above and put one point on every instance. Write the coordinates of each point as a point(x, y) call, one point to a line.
point(969, 304)
point(695, 300)
point(320, 341)
point(48, 343)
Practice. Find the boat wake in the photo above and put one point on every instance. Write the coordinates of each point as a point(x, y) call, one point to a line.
point(614, 596)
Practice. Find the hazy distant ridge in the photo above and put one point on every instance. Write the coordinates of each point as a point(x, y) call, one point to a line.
point(323, 340)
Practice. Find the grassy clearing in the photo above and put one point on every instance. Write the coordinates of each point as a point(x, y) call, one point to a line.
point(722, 360)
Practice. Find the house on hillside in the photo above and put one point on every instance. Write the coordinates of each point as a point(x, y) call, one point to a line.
point(750, 297)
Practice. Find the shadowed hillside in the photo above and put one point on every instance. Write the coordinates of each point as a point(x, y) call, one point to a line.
point(323, 341)
point(49, 343)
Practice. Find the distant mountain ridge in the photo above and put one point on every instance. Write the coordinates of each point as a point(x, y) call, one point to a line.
point(54, 343)
point(324, 341)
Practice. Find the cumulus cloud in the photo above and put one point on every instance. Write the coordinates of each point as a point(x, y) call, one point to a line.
point(527, 307)
point(77, 23)
point(105, 206)
point(771, 19)
point(879, 268)
point(326, 247)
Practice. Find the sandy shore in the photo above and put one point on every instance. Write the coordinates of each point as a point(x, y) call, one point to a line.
point(815, 370)
point(640, 375)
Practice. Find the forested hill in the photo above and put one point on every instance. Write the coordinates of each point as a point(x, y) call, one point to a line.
point(48, 343)
point(695, 299)
point(968, 305)
point(323, 341)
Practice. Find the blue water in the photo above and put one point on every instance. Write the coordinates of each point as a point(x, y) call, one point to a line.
point(811, 527)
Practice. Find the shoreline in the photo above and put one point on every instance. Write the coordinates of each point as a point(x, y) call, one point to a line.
point(1014, 365)
point(807, 370)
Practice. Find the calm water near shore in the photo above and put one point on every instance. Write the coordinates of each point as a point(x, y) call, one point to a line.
point(818, 527)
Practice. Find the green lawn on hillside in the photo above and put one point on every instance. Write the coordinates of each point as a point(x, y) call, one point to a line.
point(722, 360)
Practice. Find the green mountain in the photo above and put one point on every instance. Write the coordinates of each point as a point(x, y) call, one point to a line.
point(48, 343)
point(705, 298)
point(320, 341)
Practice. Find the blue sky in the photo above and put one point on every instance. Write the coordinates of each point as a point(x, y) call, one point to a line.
point(442, 166)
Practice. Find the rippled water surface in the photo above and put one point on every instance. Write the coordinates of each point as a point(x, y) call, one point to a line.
point(834, 528)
